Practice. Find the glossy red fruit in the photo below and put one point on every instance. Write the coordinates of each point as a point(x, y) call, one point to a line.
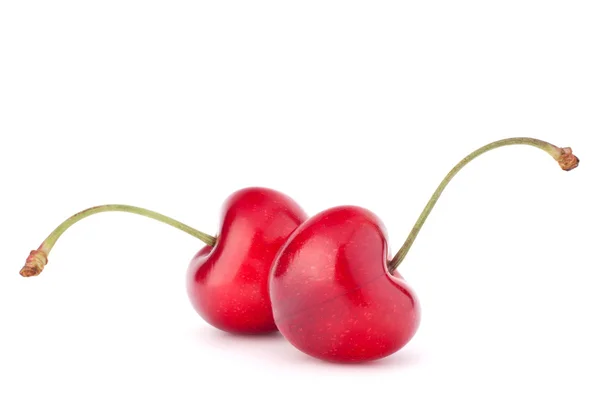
point(228, 283)
point(333, 297)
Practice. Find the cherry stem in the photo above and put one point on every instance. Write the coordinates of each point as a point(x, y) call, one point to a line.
point(564, 157)
point(37, 259)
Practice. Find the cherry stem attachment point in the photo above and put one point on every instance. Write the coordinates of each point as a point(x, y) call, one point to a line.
point(564, 157)
point(37, 259)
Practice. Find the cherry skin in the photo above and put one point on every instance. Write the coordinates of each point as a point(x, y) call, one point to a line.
point(228, 282)
point(332, 294)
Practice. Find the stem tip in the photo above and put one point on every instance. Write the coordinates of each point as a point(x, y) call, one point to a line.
point(567, 160)
point(34, 265)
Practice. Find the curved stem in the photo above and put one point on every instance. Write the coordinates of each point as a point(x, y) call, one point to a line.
point(39, 258)
point(564, 156)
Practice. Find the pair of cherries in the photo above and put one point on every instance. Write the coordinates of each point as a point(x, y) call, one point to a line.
point(326, 283)
point(322, 282)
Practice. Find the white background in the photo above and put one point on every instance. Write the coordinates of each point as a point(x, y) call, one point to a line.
point(173, 105)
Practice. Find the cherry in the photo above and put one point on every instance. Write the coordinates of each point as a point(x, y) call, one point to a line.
point(332, 295)
point(228, 278)
point(228, 283)
point(335, 293)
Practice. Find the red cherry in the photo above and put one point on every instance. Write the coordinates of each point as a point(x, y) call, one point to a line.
point(228, 283)
point(336, 297)
point(332, 294)
point(227, 279)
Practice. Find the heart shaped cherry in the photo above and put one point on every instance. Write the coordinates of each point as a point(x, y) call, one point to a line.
point(227, 283)
point(333, 297)
point(336, 297)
